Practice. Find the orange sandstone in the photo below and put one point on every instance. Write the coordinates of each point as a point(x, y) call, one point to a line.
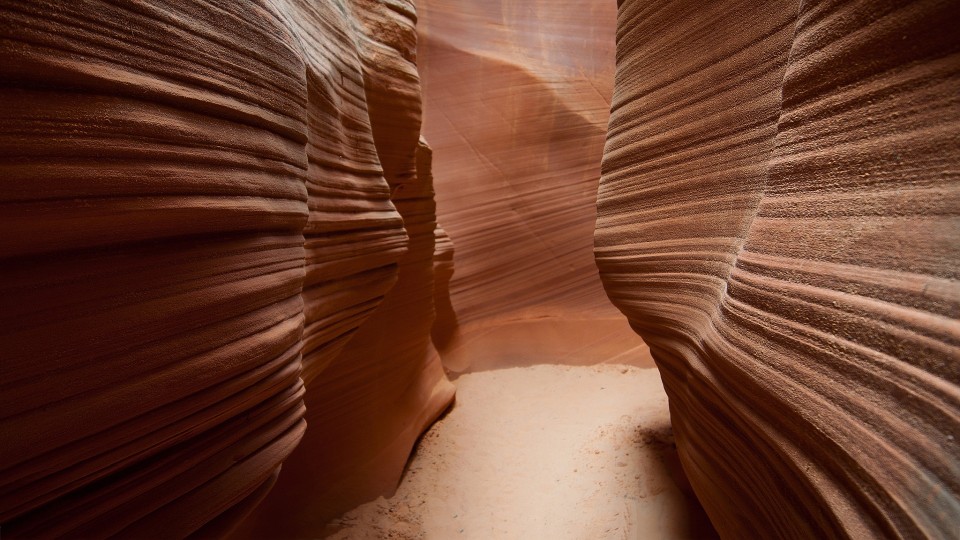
point(778, 219)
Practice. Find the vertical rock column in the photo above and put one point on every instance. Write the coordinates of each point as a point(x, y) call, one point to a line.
point(778, 219)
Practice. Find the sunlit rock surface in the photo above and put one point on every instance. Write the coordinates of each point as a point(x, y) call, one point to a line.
point(218, 228)
point(196, 207)
point(516, 102)
point(778, 217)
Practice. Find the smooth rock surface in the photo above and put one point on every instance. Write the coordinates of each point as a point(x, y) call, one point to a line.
point(516, 101)
point(778, 217)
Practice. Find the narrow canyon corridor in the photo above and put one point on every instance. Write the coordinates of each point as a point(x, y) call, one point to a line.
point(553, 388)
point(480, 269)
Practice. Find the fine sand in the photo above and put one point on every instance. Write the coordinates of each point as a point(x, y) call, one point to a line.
point(551, 452)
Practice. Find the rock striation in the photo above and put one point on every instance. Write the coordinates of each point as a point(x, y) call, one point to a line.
point(778, 218)
point(202, 205)
point(516, 102)
point(512, 107)
point(387, 386)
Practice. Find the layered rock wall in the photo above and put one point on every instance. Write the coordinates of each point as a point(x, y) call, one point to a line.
point(512, 106)
point(778, 217)
point(373, 401)
point(196, 205)
point(516, 101)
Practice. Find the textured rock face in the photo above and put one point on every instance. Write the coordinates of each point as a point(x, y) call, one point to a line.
point(196, 205)
point(516, 102)
point(371, 402)
point(517, 125)
point(778, 219)
point(512, 107)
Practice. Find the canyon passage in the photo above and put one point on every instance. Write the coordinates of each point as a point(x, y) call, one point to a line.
point(479, 269)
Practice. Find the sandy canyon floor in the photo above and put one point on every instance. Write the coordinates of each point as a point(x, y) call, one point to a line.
point(547, 451)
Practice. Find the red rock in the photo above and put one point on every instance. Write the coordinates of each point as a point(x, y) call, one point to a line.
point(377, 394)
point(219, 242)
point(194, 197)
point(777, 218)
point(516, 101)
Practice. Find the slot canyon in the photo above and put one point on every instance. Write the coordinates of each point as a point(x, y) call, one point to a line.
point(479, 269)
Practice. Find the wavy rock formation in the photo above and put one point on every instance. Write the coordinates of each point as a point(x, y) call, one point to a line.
point(778, 217)
point(516, 101)
point(373, 399)
point(387, 386)
point(196, 202)
point(518, 137)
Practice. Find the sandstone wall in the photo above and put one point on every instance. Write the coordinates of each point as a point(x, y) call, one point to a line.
point(778, 217)
point(196, 205)
point(512, 107)
point(516, 102)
